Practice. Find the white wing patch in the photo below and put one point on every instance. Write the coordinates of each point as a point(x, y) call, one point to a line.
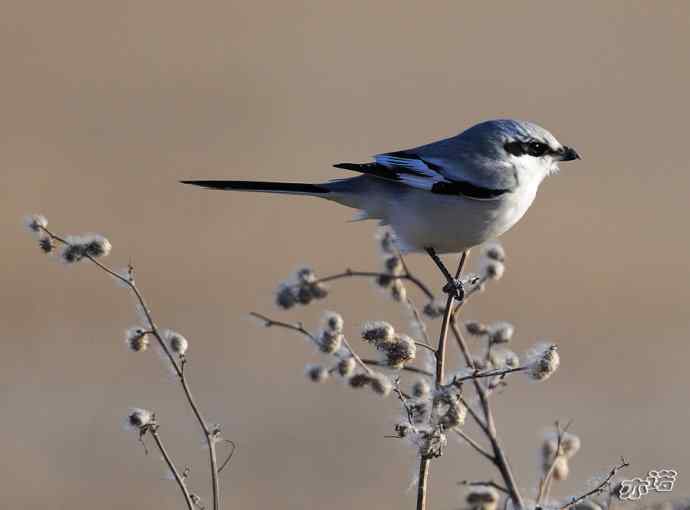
point(412, 171)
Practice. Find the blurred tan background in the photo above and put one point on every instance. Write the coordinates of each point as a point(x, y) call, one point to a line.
point(106, 105)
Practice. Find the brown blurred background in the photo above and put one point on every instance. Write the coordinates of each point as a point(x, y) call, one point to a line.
point(106, 105)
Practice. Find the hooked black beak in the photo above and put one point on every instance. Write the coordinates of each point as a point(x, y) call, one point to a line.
point(569, 154)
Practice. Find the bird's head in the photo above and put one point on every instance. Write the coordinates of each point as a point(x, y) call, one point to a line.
point(520, 144)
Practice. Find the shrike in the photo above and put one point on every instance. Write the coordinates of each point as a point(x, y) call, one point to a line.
point(446, 196)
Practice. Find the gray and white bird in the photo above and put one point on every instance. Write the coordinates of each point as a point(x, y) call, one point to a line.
point(446, 196)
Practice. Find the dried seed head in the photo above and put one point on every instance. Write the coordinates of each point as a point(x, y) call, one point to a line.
point(561, 470)
point(398, 291)
point(359, 380)
point(316, 373)
point(421, 388)
point(383, 280)
point(318, 290)
point(137, 418)
point(95, 245)
point(476, 328)
point(393, 265)
point(333, 321)
point(305, 275)
point(304, 295)
point(46, 244)
point(398, 352)
point(177, 343)
point(380, 384)
point(378, 332)
point(570, 444)
point(434, 309)
point(36, 223)
point(387, 241)
point(492, 269)
point(346, 366)
point(501, 332)
point(543, 362)
point(504, 358)
point(285, 297)
point(420, 409)
point(137, 339)
point(494, 251)
point(73, 252)
point(482, 498)
point(329, 341)
point(403, 429)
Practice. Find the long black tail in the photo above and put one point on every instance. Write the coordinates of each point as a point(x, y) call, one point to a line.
point(268, 187)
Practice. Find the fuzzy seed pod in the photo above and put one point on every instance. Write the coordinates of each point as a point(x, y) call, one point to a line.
point(46, 244)
point(398, 352)
point(501, 332)
point(318, 290)
point(398, 291)
point(285, 297)
point(561, 470)
point(378, 332)
point(316, 373)
point(346, 366)
point(493, 269)
point(329, 341)
point(403, 429)
point(544, 361)
point(359, 380)
point(482, 498)
point(433, 309)
point(570, 444)
point(383, 280)
point(421, 388)
point(494, 251)
point(476, 328)
point(393, 265)
point(36, 223)
point(95, 245)
point(419, 409)
point(72, 253)
point(387, 242)
point(177, 343)
point(137, 339)
point(137, 418)
point(333, 322)
point(380, 384)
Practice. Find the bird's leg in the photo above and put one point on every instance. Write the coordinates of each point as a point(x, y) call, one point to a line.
point(453, 285)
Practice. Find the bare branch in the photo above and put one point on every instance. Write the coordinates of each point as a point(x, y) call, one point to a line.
point(599, 488)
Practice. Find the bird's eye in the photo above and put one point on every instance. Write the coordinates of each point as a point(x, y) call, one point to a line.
point(537, 149)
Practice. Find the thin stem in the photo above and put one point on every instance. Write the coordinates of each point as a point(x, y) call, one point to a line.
point(422, 482)
point(153, 430)
point(474, 444)
point(441, 350)
point(375, 362)
point(545, 482)
point(348, 273)
point(424, 460)
point(489, 427)
point(599, 487)
point(179, 367)
point(299, 328)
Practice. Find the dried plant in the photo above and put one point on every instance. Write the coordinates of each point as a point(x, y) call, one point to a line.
point(92, 248)
point(436, 403)
point(433, 403)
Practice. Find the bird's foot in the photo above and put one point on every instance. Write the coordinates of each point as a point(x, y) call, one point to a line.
point(456, 288)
